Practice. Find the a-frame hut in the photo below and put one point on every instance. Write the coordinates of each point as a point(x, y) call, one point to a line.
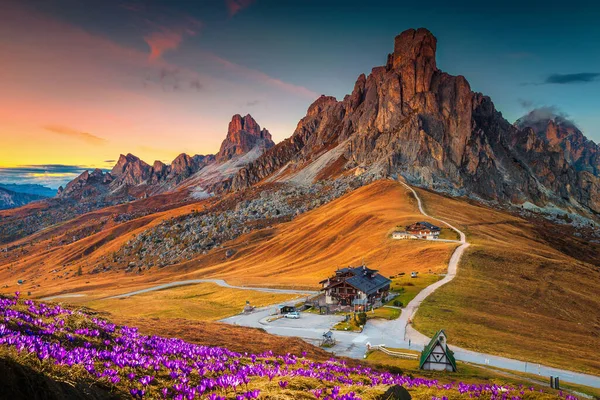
point(436, 356)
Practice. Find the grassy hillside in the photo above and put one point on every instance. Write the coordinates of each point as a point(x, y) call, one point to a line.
point(347, 231)
point(525, 289)
point(299, 253)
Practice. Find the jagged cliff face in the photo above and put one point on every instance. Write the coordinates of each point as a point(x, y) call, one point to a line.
point(412, 119)
point(243, 135)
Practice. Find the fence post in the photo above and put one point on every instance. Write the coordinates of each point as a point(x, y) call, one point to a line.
point(556, 383)
point(551, 381)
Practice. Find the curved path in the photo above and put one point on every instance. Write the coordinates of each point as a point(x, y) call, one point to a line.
point(169, 285)
point(219, 282)
point(400, 325)
point(391, 330)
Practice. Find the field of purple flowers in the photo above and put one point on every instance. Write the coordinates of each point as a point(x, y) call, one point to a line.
point(58, 341)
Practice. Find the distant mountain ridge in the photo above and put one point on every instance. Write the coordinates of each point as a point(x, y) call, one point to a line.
point(10, 199)
point(29, 188)
point(411, 119)
point(132, 178)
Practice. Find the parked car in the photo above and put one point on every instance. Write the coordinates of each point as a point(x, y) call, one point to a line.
point(293, 315)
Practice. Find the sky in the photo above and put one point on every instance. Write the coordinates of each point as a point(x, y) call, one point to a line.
point(83, 81)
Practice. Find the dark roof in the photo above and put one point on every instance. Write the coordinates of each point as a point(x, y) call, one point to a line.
point(430, 226)
point(367, 280)
point(429, 348)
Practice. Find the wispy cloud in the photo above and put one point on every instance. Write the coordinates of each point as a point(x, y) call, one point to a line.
point(262, 77)
point(253, 103)
point(581, 77)
point(164, 38)
point(235, 6)
point(538, 118)
point(75, 134)
point(567, 79)
point(162, 41)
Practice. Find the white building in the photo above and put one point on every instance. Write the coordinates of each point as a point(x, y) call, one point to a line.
point(436, 356)
point(403, 235)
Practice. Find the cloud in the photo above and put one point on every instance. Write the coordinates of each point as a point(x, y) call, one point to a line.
point(582, 77)
point(73, 133)
point(262, 77)
point(49, 175)
point(110, 161)
point(162, 41)
point(168, 37)
point(235, 6)
point(253, 103)
point(538, 118)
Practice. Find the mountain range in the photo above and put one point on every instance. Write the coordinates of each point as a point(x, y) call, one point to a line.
point(411, 119)
point(133, 178)
point(406, 118)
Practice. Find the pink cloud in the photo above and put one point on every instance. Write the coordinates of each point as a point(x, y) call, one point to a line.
point(263, 78)
point(162, 41)
point(235, 6)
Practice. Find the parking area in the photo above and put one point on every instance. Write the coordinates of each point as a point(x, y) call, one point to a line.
point(308, 320)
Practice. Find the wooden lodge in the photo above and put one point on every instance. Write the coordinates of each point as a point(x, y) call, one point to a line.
point(361, 287)
point(436, 356)
point(423, 230)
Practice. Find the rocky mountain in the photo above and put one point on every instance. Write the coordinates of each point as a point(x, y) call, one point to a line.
point(559, 134)
point(132, 178)
point(10, 199)
point(243, 135)
point(409, 118)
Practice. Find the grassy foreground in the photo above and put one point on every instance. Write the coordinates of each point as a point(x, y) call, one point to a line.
point(102, 360)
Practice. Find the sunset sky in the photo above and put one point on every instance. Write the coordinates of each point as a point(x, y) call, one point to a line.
point(85, 80)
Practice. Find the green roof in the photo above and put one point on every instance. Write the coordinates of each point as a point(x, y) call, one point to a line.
point(429, 348)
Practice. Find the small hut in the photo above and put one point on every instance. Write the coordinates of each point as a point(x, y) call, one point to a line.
point(436, 356)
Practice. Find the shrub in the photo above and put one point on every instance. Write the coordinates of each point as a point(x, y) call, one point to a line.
point(361, 318)
point(398, 303)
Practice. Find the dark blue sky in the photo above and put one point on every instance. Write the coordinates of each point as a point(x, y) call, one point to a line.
point(505, 49)
point(156, 78)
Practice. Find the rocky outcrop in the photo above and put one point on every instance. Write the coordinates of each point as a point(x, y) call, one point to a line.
point(87, 185)
point(410, 118)
point(243, 135)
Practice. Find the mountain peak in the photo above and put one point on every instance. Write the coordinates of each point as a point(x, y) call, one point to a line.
point(414, 57)
point(243, 134)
